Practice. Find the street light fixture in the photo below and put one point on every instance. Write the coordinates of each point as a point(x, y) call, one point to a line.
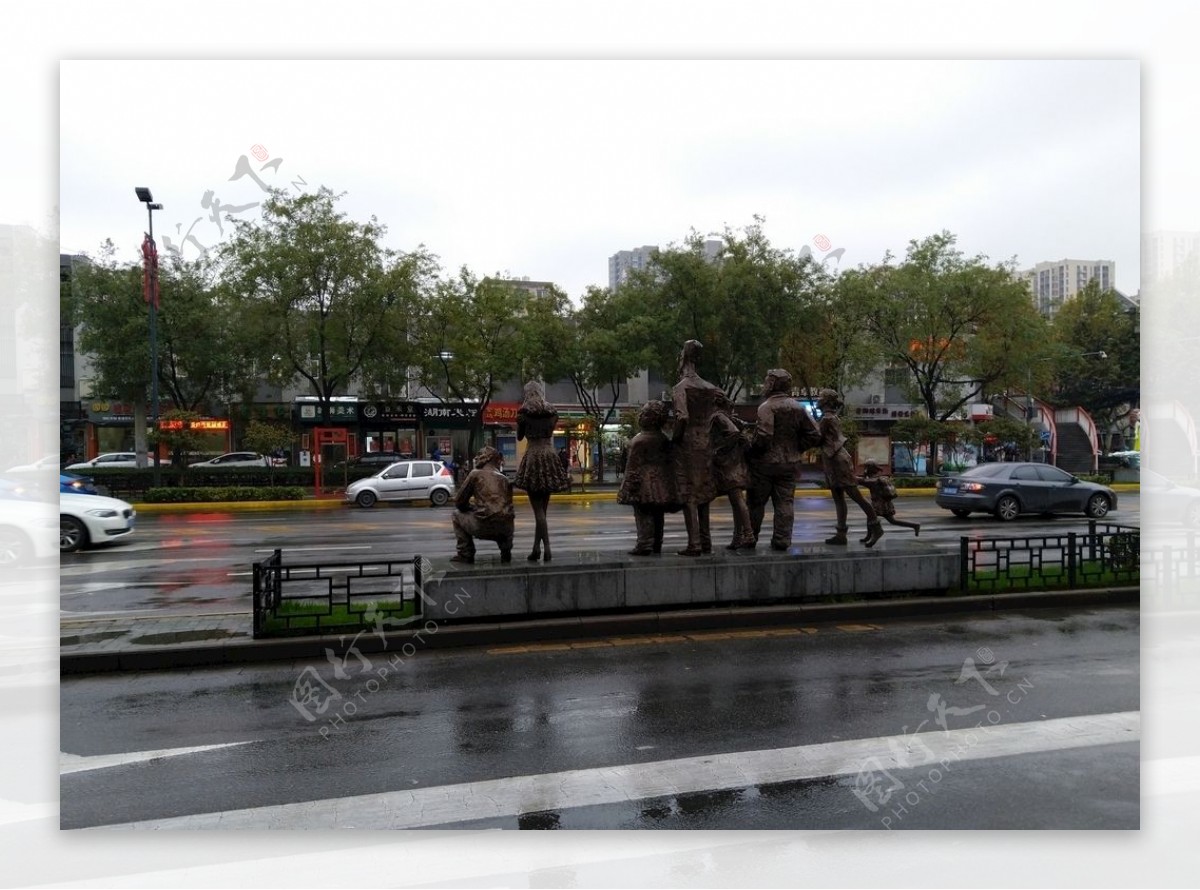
point(150, 256)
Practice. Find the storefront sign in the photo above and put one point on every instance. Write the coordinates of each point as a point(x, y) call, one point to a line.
point(501, 412)
point(444, 416)
point(389, 413)
point(339, 412)
point(883, 412)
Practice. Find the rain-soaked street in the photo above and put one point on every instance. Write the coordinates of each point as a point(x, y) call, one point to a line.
point(1011, 720)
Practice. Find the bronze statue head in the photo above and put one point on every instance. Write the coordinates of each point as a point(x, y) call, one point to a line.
point(653, 415)
point(534, 401)
point(829, 400)
point(778, 380)
point(488, 455)
point(690, 354)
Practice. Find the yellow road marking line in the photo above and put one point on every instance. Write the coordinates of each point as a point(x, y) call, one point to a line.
point(698, 637)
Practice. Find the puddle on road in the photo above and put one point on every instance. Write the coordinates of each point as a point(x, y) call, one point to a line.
point(186, 636)
point(77, 639)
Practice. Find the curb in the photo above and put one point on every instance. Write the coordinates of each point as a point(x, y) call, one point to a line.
point(582, 628)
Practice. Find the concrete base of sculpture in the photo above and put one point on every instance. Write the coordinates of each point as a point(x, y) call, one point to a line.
point(595, 583)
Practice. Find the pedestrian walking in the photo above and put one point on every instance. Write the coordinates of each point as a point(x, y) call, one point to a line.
point(883, 496)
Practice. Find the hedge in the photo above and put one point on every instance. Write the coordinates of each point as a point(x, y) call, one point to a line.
point(226, 493)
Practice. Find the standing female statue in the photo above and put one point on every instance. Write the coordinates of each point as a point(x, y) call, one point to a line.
point(540, 473)
point(695, 403)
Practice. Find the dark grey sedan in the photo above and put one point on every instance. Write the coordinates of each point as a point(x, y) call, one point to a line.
point(1010, 489)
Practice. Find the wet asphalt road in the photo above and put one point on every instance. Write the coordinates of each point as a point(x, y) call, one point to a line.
point(448, 717)
point(197, 563)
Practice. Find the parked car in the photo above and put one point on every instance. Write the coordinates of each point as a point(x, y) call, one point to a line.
point(72, 484)
point(1132, 459)
point(372, 460)
point(1010, 489)
point(49, 462)
point(86, 520)
point(1165, 501)
point(114, 460)
point(234, 459)
point(407, 480)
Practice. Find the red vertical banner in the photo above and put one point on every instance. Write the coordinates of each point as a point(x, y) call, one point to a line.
point(150, 272)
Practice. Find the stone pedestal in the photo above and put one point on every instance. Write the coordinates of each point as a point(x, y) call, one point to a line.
point(598, 583)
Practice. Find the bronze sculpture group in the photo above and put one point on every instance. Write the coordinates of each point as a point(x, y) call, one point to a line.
point(710, 453)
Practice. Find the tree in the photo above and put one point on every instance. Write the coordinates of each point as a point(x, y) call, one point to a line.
point(105, 300)
point(919, 431)
point(827, 348)
point(597, 347)
point(268, 438)
point(1108, 387)
point(960, 327)
point(468, 343)
point(176, 432)
point(740, 303)
point(317, 289)
point(199, 362)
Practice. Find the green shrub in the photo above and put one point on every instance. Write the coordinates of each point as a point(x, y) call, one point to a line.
point(214, 494)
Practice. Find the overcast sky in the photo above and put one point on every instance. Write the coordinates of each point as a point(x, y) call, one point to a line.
point(545, 169)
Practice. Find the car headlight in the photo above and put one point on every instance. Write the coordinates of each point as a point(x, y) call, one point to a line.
point(103, 513)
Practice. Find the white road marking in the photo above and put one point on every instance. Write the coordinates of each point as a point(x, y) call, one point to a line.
point(75, 763)
point(493, 798)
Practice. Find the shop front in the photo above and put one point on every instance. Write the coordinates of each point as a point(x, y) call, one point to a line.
point(342, 415)
point(389, 427)
point(446, 429)
point(109, 426)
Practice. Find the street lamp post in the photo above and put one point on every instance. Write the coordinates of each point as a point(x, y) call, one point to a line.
point(150, 256)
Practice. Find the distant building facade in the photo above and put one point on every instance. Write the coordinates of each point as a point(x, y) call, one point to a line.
point(621, 263)
point(1163, 252)
point(1053, 283)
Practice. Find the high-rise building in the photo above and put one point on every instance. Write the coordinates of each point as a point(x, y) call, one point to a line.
point(621, 262)
point(1053, 283)
point(1163, 252)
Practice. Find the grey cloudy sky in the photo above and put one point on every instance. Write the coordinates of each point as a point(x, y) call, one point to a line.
point(544, 169)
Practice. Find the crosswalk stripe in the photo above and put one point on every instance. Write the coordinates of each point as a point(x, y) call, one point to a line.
point(493, 798)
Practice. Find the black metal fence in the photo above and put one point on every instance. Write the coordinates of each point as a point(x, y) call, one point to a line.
point(335, 597)
point(1107, 554)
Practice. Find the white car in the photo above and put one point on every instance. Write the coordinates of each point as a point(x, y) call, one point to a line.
point(115, 460)
point(86, 520)
point(49, 462)
point(27, 530)
point(234, 459)
point(406, 480)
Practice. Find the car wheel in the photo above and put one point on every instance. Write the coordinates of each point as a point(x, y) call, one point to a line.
point(14, 548)
point(1097, 506)
point(1191, 515)
point(439, 497)
point(366, 499)
point(71, 534)
point(960, 512)
point(1007, 508)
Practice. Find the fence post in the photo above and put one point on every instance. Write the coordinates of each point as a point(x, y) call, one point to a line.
point(1071, 558)
point(963, 560)
point(1092, 541)
point(419, 582)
